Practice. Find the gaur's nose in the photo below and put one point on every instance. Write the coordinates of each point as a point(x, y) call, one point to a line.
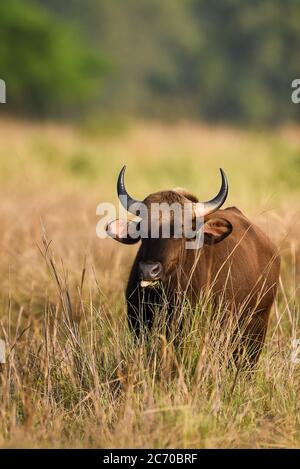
point(150, 270)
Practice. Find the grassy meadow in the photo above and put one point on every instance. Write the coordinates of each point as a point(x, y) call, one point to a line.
point(74, 377)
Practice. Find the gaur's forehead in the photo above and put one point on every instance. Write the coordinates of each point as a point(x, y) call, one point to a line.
point(169, 197)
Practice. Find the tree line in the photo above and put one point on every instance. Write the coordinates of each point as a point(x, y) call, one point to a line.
point(219, 60)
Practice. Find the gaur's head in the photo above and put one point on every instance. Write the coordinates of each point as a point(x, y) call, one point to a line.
point(168, 223)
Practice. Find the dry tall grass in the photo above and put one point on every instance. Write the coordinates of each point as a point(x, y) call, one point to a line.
point(74, 377)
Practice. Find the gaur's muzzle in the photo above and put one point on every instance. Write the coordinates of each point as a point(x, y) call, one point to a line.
point(150, 273)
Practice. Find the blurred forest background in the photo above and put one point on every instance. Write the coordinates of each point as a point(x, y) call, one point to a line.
point(217, 61)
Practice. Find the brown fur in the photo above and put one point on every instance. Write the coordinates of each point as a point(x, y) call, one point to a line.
point(241, 270)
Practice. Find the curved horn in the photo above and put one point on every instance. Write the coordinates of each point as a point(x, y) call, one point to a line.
point(124, 197)
point(205, 208)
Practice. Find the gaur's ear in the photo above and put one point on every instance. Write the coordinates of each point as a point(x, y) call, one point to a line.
point(216, 229)
point(123, 231)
